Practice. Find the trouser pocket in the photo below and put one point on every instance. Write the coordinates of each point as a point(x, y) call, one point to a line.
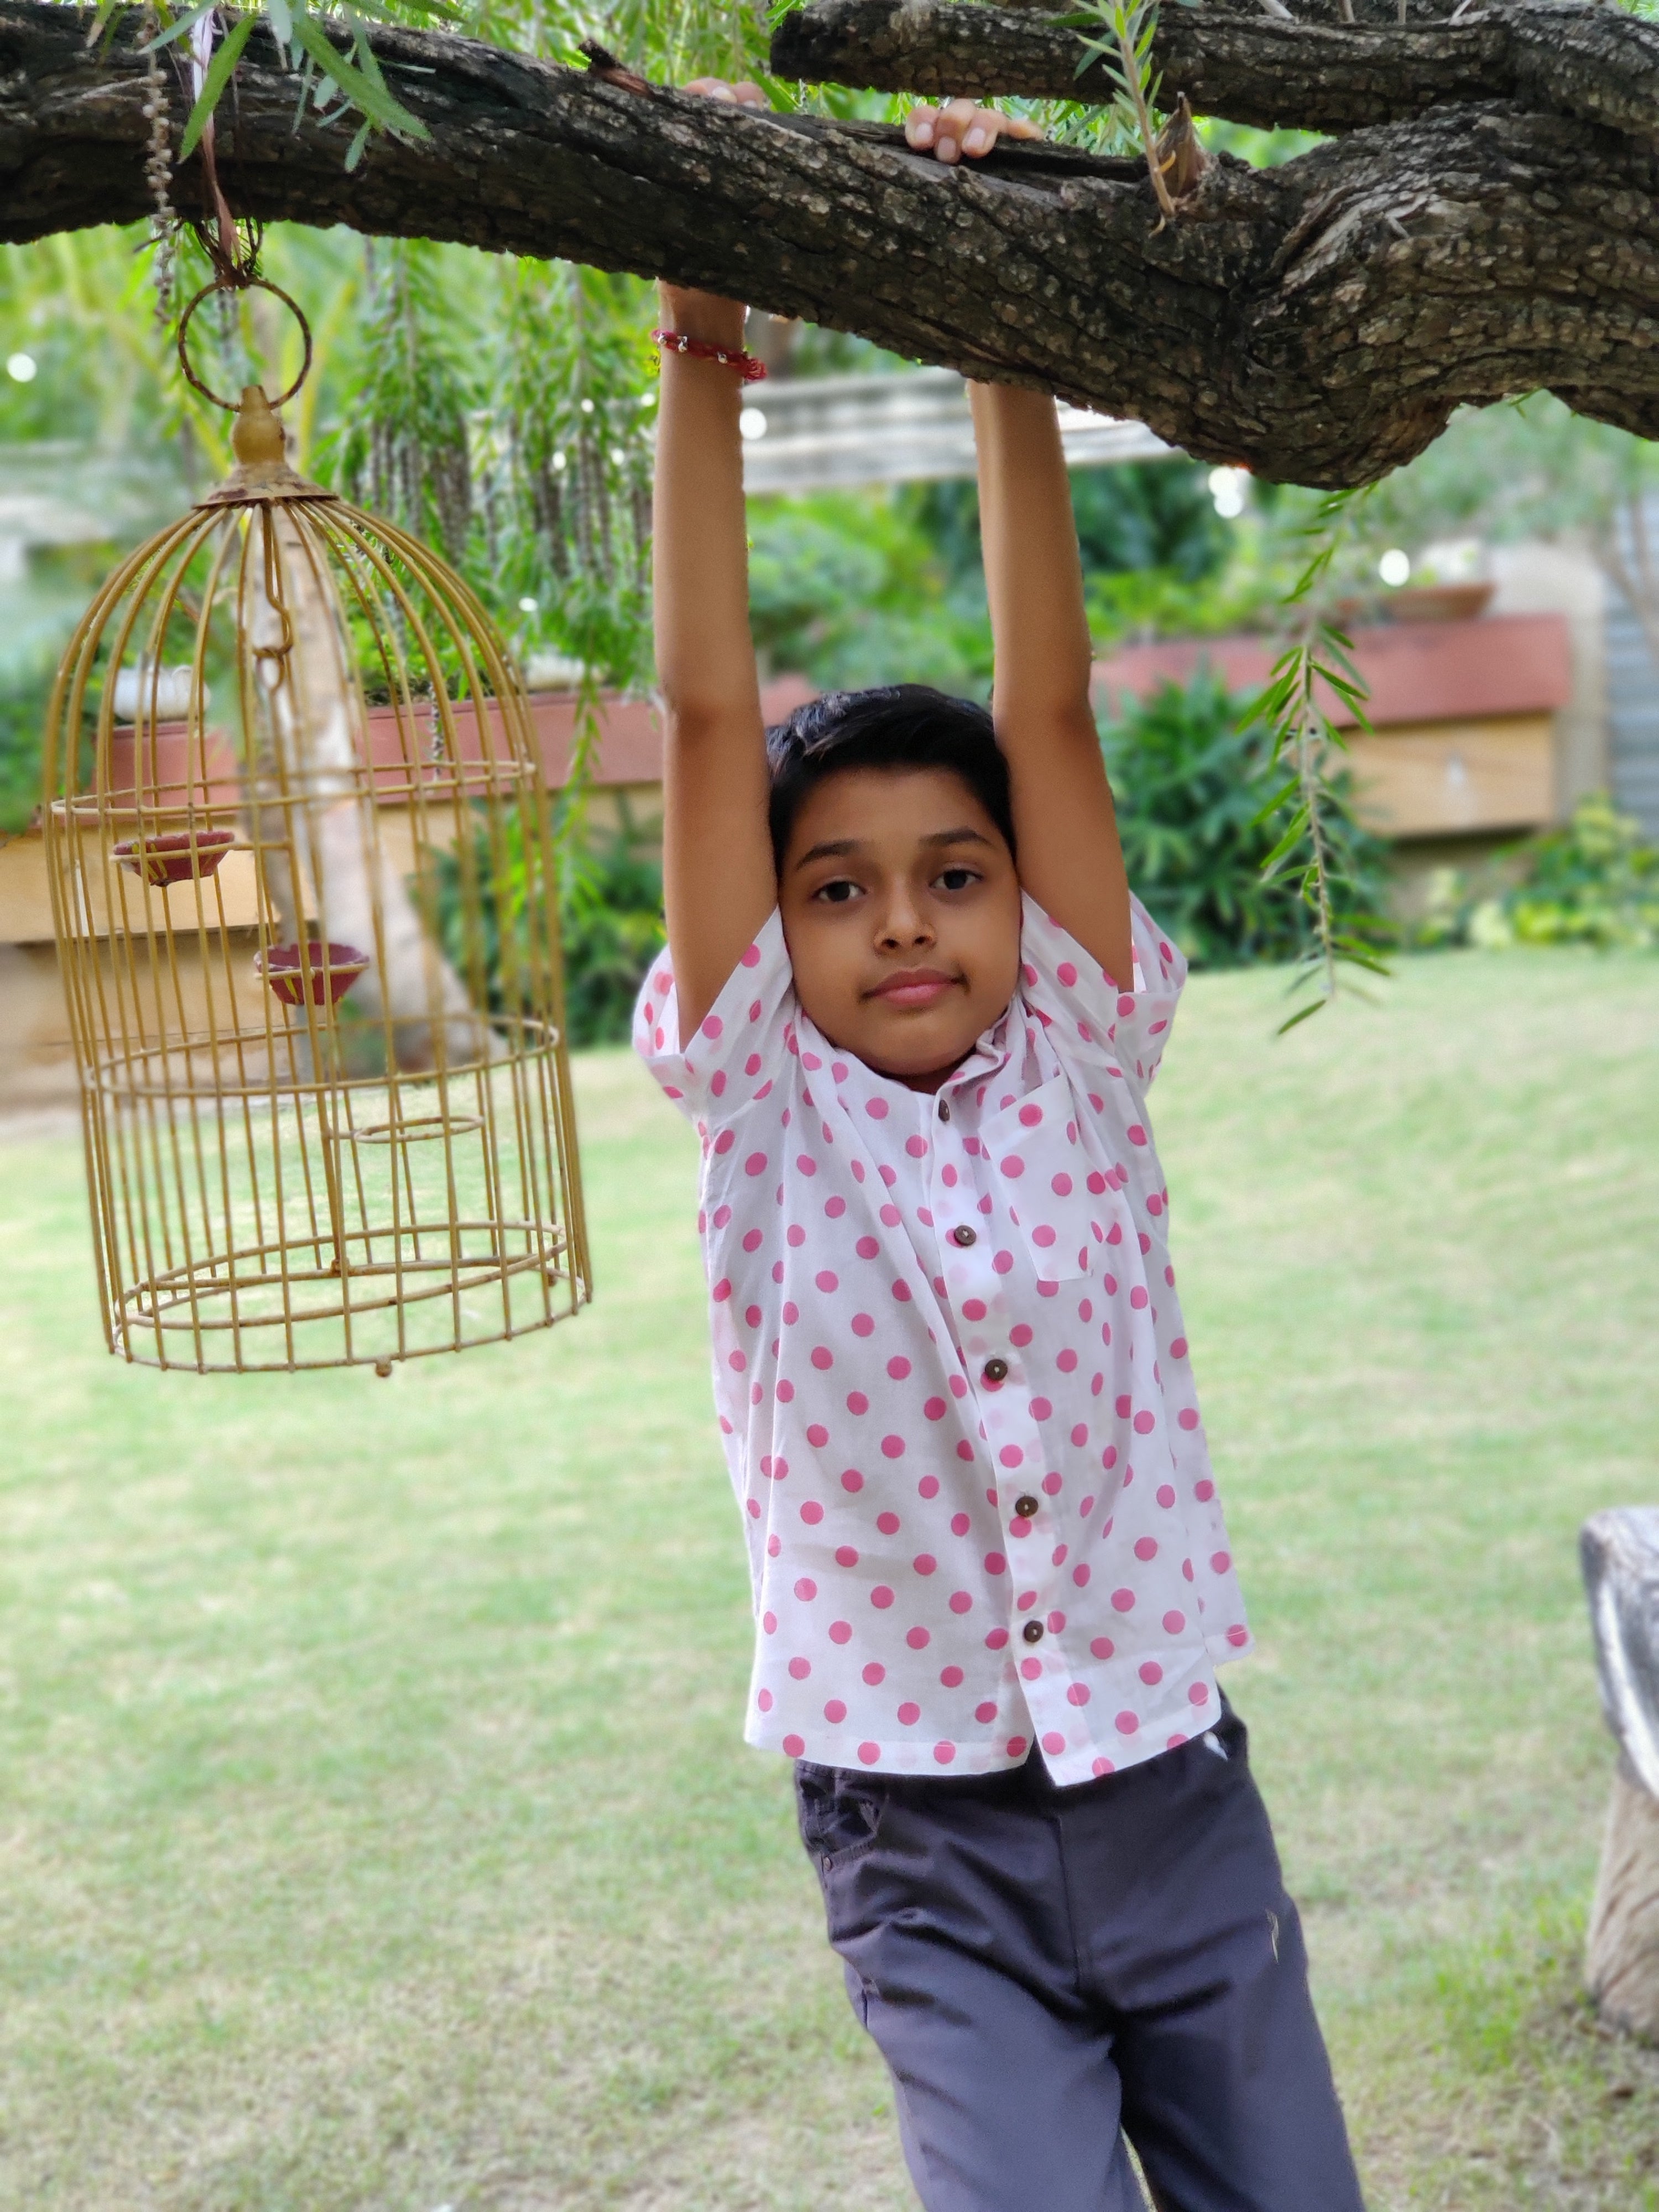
point(838, 1814)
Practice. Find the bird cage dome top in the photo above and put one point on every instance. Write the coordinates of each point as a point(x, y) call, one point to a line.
point(304, 886)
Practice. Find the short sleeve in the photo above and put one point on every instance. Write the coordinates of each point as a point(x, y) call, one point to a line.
point(741, 1041)
point(1069, 991)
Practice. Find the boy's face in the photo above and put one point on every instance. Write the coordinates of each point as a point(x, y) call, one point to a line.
point(901, 910)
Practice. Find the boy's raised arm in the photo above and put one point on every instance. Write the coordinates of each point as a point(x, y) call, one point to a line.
point(718, 877)
point(1070, 860)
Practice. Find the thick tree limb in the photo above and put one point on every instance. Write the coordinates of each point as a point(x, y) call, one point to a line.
point(1594, 64)
point(1317, 321)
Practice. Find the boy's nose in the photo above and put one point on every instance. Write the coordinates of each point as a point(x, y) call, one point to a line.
point(903, 924)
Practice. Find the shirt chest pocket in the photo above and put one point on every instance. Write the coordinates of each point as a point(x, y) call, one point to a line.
point(1038, 1166)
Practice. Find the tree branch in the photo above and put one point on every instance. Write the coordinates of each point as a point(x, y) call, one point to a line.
point(1594, 63)
point(1318, 322)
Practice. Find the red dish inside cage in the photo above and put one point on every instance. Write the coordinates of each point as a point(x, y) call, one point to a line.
point(322, 973)
point(172, 856)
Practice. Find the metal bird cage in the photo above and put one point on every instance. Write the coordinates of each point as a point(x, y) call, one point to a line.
point(299, 847)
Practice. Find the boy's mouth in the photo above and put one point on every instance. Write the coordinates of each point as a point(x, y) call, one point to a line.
point(911, 988)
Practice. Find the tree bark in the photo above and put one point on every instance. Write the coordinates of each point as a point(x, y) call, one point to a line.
point(1596, 65)
point(1621, 1954)
point(1318, 322)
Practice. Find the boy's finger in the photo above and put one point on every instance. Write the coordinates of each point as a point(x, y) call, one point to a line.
point(951, 128)
point(919, 127)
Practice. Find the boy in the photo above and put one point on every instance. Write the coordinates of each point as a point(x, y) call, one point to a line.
point(913, 1010)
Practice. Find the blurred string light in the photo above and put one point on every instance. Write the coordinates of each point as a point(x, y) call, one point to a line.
point(22, 368)
point(529, 606)
point(1230, 489)
point(1395, 567)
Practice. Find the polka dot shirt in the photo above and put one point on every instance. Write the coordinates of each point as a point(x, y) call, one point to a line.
point(952, 1378)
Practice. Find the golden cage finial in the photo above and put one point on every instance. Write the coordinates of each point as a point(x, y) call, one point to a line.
point(304, 894)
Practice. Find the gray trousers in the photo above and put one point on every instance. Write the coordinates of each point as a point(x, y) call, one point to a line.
point(1048, 1971)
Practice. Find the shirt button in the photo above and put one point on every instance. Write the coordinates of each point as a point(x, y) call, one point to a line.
point(1026, 1508)
point(1032, 1631)
point(995, 1370)
point(944, 1110)
point(964, 1235)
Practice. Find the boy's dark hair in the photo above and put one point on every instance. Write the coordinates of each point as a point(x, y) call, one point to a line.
point(896, 726)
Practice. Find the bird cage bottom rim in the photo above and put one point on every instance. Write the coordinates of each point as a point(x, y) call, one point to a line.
point(141, 1353)
point(172, 1300)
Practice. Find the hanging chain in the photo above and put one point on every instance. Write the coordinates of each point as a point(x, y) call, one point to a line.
point(158, 173)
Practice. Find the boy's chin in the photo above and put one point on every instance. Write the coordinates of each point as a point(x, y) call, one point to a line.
point(918, 1054)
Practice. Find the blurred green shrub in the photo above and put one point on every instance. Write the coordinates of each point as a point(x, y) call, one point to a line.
point(1591, 882)
point(609, 924)
point(23, 699)
point(1190, 780)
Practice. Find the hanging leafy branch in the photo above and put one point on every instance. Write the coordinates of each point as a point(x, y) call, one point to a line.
point(1316, 666)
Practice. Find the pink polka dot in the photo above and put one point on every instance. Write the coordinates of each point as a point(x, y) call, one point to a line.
point(1078, 1694)
point(973, 1309)
point(857, 1402)
point(928, 1486)
point(918, 1639)
point(909, 1713)
point(817, 1435)
point(869, 1753)
point(935, 1409)
point(1103, 1647)
point(755, 1165)
point(1220, 1561)
point(1054, 1742)
point(764, 1699)
point(893, 1447)
point(1030, 1668)
point(825, 1281)
point(1015, 1746)
point(1166, 1496)
point(823, 1356)
point(1103, 1767)
point(1012, 1456)
point(1198, 1694)
point(996, 1563)
point(985, 1714)
point(881, 1597)
point(714, 1026)
point(806, 1590)
point(1080, 1575)
point(1135, 1133)
point(1013, 1165)
point(864, 1324)
point(961, 1601)
point(1174, 1622)
point(1138, 1300)
point(951, 1677)
point(1144, 1424)
point(875, 1673)
point(751, 958)
point(1238, 1636)
point(801, 1669)
point(1066, 973)
point(867, 1248)
point(898, 1367)
point(795, 1745)
point(1204, 1490)
point(811, 1513)
point(835, 1713)
point(944, 1753)
point(925, 1563)
point(876, 1108)
point(901, 1292)
point(1042, 1410)
point(1188, 1418)
point(888, 1523)
point(1178, 1347)
point(1145, 1547)
point(840, 1631)
point(852, 1479)
point(1123, 1601)
point(1030, 1116)
point(917, 1147)
point(1127, 1724)
point(1150, 1672)
point(845, 1556)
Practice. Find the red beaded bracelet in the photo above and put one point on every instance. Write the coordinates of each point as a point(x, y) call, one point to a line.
point(749, 367)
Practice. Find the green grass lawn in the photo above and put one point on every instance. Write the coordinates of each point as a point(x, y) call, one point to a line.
point(374, 1830)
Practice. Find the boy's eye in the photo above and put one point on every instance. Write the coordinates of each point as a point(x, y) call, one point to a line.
point(836, 893)
point(956, 878)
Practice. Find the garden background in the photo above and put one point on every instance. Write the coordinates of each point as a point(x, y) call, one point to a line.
point(341, 1862)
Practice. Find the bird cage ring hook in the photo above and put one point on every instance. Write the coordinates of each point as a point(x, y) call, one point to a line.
point(241, 284)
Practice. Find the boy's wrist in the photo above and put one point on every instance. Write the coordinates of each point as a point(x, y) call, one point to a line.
point(704, 316)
